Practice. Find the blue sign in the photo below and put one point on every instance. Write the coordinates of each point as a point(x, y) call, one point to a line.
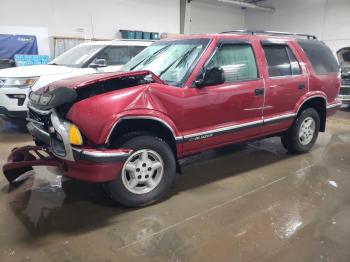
point(11, 45)
point(26, 60)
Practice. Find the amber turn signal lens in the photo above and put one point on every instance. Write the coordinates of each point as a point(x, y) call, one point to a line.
point(75, 137)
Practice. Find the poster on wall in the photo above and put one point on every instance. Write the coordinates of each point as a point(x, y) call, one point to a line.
point(11, 45)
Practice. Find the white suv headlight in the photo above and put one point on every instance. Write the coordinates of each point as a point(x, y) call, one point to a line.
point(19, 82)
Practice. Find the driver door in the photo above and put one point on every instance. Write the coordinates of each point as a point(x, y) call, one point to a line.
point(229, 112)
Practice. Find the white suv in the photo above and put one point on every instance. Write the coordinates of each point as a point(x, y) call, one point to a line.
point(86, 58)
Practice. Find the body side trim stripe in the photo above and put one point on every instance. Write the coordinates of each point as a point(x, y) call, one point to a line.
point(221, 131)
point(235, 128)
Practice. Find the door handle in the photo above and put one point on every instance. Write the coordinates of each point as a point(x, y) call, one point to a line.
point(259, 91)
point(301, 86)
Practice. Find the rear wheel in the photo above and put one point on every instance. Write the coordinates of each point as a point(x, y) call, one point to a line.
point(301, 137)
point(147, 174)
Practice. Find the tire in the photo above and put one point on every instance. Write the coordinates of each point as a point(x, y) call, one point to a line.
point(299, 144)
point(137, 185)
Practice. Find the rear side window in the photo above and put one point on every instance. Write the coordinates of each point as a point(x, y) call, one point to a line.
point(320, 56)
point(281, 60)
point(237, 61)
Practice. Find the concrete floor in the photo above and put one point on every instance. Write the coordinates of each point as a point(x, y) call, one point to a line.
point(247, 202)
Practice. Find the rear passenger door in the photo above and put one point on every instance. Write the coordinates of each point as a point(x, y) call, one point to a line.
point(285, 82)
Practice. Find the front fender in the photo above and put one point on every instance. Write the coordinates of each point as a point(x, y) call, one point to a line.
point(138, 114)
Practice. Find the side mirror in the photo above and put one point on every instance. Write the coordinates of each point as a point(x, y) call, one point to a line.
point(211, 76)
point(98, 63)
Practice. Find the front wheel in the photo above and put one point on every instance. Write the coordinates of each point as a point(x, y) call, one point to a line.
point(301, 137)
point(147, 174)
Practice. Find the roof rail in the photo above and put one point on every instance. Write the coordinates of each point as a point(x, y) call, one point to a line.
point(259, 32)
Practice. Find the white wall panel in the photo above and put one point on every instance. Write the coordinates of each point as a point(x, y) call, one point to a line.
point(329, 20)
point(214, 17)
point(91, 18)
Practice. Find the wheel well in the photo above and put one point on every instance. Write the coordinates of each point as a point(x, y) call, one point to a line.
point(319, 104)
point(129, 128)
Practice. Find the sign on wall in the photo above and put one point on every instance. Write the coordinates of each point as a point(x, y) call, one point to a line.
point(11, 45)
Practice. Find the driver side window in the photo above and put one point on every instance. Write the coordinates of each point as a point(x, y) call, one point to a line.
point(237, 61)
point(115, 55)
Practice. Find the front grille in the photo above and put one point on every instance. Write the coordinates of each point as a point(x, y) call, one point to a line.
point(2, 82)
point(344, 91)
point(45, 120)
point(345, 82)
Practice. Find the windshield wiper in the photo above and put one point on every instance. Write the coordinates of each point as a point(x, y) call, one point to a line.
point(180, 59)
point(149, 59)
point(53, 64)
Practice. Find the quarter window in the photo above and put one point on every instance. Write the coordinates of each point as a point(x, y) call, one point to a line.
point(281, 60)
point(237, 61)
point(320, 56)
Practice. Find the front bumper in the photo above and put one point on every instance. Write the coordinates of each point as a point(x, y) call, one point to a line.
point(344, 94)
point(102, 165)
point(13, 103)
point(12, 115)
point(83, 162)
point(344, 98)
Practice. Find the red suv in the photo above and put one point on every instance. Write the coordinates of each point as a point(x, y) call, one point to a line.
point(176, 98)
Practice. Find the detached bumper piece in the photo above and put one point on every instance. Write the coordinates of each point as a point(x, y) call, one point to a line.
point(89, 164)
point(22, 160)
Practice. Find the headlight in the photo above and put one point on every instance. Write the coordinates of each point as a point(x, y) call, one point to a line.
point(43, 99)
point(20, 82)
point(75, 137)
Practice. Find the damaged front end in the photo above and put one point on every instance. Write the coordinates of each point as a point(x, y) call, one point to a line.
point(56, 145)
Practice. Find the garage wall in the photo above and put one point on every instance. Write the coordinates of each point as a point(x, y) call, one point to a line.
point(92, 18)
point(329, 20)
point(215, 17)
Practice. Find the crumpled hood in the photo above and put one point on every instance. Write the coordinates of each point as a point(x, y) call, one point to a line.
point(78, 82)
point(35, 70)
point(70, 90)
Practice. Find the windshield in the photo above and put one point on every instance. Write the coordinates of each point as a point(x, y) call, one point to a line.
point(172, 60)
point(76, 56)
